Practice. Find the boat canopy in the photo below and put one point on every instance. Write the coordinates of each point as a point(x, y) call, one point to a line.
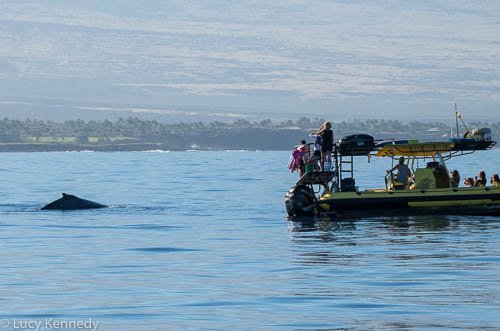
point(414, 148)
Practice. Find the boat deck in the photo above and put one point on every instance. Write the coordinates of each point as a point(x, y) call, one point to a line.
point(313, 178)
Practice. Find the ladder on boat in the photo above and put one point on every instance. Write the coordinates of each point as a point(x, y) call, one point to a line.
point(346, 166)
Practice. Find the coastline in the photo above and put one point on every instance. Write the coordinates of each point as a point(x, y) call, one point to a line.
point(129, 147)
point(141, 147)
point(243, 140)
point(55, 147)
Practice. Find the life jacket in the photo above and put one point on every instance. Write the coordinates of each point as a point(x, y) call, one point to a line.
point(295, 159)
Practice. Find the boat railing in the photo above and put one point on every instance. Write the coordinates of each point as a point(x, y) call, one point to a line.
point(389, 178)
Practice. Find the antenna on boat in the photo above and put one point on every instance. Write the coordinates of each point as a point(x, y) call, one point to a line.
point(451, 126)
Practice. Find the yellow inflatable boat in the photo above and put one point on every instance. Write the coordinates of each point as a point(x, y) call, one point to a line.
point(429, 191)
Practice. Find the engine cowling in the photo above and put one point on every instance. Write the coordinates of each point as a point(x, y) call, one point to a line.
point(299, 201)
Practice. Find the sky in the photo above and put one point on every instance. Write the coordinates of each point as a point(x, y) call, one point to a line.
point(187, 60)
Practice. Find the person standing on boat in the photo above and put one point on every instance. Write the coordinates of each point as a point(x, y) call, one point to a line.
point(317, 141)
point(403, 172)
point(296, 161)
point(326, 134)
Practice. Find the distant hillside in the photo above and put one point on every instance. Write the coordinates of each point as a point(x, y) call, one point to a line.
point(136, 134)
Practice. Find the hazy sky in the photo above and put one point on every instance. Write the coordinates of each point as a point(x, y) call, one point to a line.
point(185, 59)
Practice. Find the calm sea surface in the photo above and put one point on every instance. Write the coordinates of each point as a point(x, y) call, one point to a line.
point(198, 240)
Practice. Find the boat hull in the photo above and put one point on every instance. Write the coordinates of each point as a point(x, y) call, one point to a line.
point(462, 201)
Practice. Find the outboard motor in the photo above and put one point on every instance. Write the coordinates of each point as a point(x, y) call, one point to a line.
point(299, 201)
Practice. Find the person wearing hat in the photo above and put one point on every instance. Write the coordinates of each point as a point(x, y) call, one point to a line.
point(403, 172)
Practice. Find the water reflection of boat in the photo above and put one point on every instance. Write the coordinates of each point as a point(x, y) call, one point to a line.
point(334, 193)
point(324, 228)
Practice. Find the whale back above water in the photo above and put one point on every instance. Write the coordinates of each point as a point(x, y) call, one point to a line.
point(72, 202)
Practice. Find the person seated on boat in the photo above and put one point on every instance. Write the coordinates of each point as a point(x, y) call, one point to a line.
point(481, 181)
point(454, 178)
point(495, 180)
point(326, 134)
point(403, 172)
point(469, 181)
point(311, 161)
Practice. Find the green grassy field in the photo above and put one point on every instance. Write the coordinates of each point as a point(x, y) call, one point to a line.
point(69, 140)
point(49, 140)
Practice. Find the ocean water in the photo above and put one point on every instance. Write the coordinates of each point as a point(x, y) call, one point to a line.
point(199, 240)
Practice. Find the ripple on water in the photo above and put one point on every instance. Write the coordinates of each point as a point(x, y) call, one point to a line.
point(197, 241)
point(163, 249)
